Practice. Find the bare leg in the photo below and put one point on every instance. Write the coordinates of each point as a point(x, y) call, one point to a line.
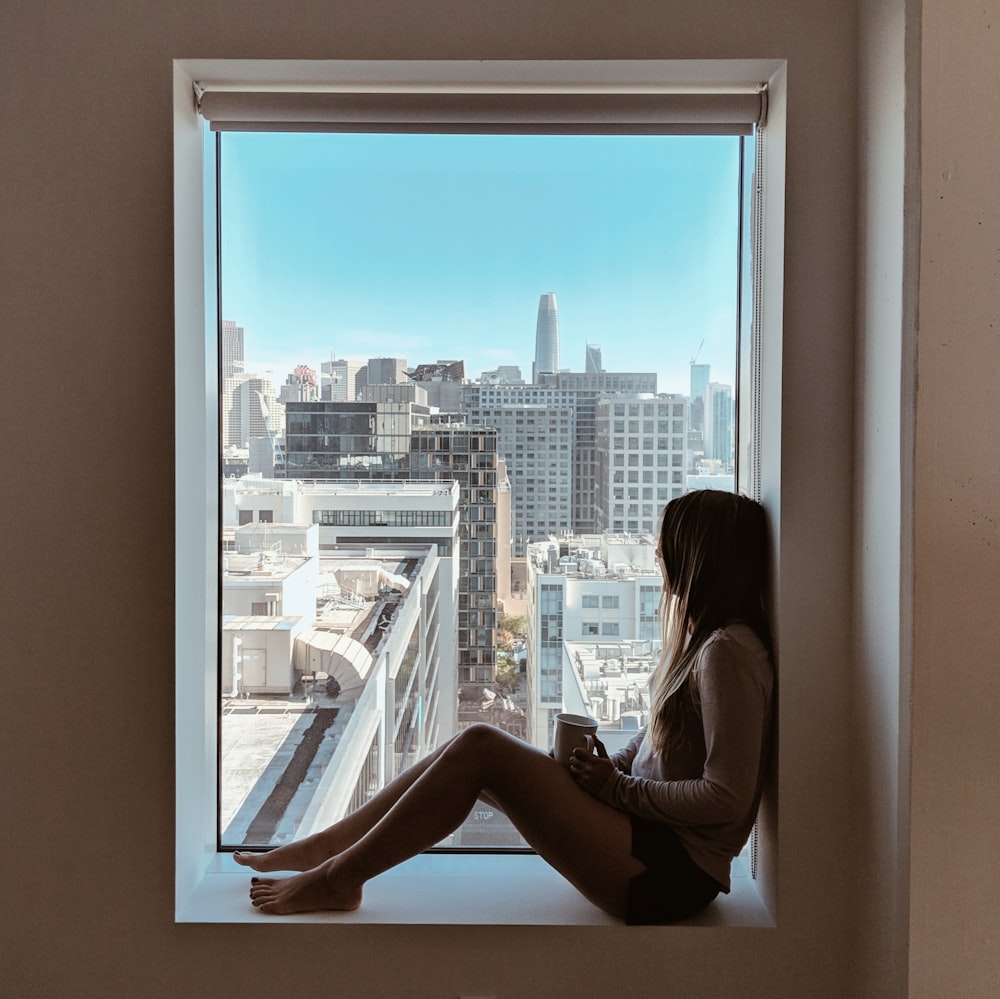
point(304, 854)
point(585, 840)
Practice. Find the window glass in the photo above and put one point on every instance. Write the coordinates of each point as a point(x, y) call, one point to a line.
point(408, 351)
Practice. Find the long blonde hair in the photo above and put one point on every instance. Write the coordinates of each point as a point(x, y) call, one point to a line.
point(714, 551)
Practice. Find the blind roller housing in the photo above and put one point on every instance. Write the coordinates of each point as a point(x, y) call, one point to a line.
point(544, 113)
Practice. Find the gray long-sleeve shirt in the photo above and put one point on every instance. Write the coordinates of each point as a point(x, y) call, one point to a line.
point(709, 790)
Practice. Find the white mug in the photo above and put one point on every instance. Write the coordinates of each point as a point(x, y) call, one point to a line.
point(573, 731)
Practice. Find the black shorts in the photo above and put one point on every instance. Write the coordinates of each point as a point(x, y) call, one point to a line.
point(673, 886)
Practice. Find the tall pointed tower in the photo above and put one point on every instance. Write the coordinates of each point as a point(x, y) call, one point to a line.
point(546, 337)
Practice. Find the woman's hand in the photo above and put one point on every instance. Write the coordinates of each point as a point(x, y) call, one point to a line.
point(591, 771)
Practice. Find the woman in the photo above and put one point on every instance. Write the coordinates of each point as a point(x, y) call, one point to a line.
point(647, 834)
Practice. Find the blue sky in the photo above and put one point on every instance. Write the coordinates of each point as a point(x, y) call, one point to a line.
point(438, 247)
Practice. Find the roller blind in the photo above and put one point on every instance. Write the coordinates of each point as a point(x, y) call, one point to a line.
point(729, 113)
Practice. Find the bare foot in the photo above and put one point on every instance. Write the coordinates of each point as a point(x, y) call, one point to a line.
point(301, 856)
point(310, 891)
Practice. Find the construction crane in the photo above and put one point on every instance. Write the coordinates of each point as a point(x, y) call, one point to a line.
point(694, 360)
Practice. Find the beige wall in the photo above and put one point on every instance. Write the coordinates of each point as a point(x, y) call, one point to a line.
point(955, 804)
point(86, 290)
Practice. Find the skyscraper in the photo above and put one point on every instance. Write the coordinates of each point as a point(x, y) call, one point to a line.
point(640, 445)
point(469, 456)
point(232, 349)
point(719, 423)
point(593, 363)
point(582, 390)
point(547, 437)
point(536, 431)
point(300, 385)
point(699, 382)
point(386, 371)
point(250, 409)
point(339, 379)
point(699, 379)
point(373, 440)
point(546, 337)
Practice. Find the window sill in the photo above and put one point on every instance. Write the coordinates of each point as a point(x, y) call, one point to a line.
point(456, 889)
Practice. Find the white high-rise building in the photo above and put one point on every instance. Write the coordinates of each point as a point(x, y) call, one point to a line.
point(547, 435)
point(582, 390)
point(250, 409)
point(593, 589)
point(641, 445)
point(361, 515)
point(536, 432)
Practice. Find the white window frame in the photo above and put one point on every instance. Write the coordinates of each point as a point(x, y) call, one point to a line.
point(209, 887)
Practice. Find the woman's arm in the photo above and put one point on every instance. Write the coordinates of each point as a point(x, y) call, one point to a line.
point(735, 685)
point(624, 757)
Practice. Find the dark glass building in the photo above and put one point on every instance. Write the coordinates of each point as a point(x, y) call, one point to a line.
point(337, 441)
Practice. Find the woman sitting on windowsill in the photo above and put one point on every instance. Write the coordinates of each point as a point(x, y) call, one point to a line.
point(648, 834)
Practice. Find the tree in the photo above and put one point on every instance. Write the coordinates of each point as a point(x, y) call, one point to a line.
point(506, 681)
point(512, 628)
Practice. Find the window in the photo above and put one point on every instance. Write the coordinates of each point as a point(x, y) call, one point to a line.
point(379, 462)
point(304, 215)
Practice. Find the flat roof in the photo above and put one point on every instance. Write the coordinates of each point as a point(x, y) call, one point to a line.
point(368, 585)
point(258, 567)
point(367, 487)
point(248, 622)
point(264, 736)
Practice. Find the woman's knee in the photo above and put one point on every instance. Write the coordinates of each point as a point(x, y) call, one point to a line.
point(480, 741)
point(480, 734)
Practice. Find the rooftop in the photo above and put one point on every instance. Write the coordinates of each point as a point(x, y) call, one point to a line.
point(256, 566)
point(275, 748)
point(249, 485)
point(382, 487)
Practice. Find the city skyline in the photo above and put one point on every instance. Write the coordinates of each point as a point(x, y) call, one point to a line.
point(439, 247)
